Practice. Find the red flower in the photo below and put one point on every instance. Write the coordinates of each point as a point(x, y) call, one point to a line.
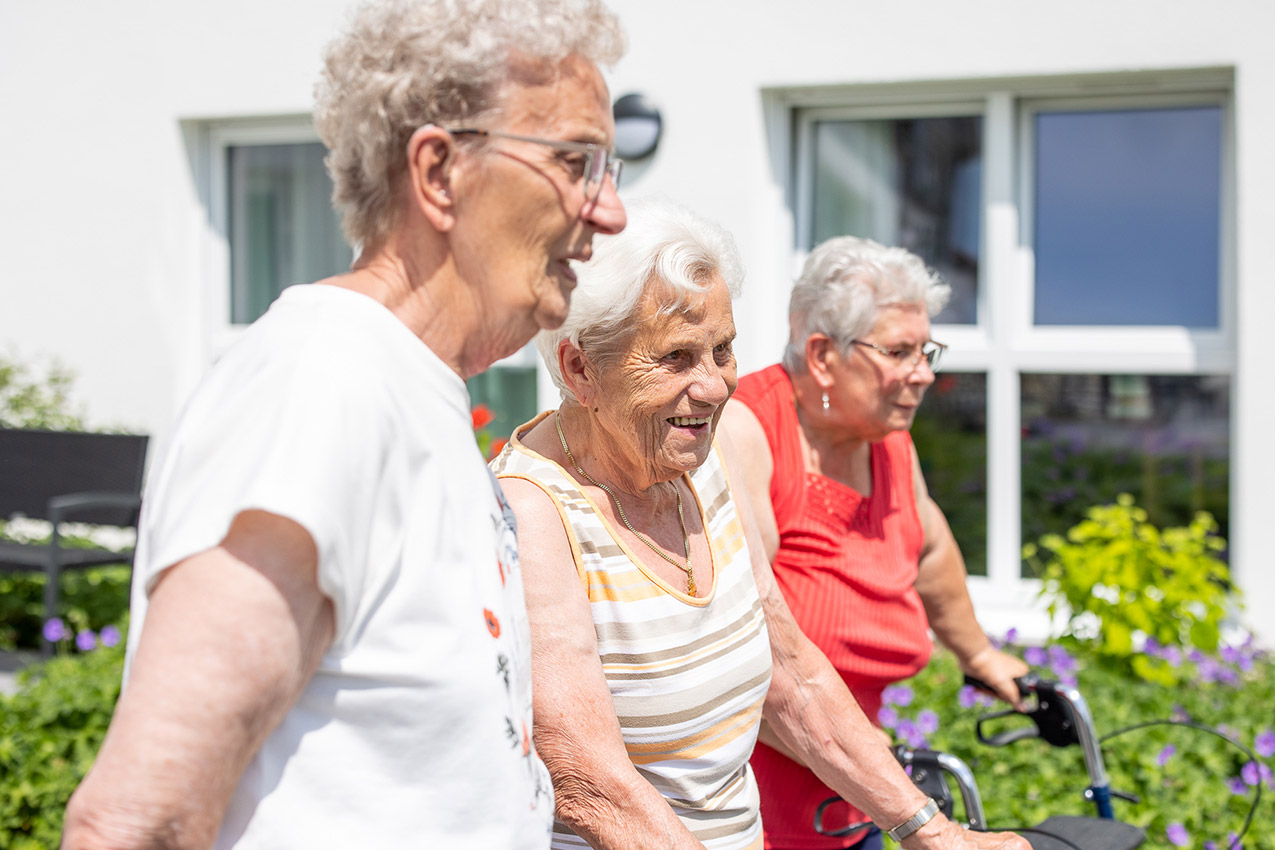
point(493, 622)
point(481, 415)
point(497, 446)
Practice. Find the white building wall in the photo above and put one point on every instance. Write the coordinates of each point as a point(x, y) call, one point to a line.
point(104, 238)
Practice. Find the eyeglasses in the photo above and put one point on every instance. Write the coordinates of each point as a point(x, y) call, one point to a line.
point(598, 162)
point(911, 357)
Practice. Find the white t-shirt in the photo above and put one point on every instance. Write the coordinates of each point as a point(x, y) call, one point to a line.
point(416, 729)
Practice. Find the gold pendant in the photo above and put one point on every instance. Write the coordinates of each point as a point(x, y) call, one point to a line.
point(690, 584)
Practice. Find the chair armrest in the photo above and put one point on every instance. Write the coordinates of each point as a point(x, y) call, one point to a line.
point(61, 508)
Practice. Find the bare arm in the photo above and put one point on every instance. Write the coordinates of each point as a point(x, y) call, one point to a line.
point(812, 712)
point(941, 585)
point(231, 638)
point(597, 791)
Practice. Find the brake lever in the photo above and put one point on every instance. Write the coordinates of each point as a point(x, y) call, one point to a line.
point(1002, 739)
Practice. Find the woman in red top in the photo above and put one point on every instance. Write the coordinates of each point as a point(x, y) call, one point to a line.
point(864, 556)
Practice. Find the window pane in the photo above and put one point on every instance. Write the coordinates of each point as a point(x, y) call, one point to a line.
point(509, 392)
point(950, 433)
point(1127, 217)
point(1087, 438)
point(914, 183)
point(283, 229)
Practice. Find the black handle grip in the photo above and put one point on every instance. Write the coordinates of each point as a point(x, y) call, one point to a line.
point(1026, 684)
point(1003, 738)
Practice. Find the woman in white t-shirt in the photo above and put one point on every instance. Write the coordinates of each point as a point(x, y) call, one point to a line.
point(329, 645)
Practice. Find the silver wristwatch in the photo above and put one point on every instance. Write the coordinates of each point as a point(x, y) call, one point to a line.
point(918, 820)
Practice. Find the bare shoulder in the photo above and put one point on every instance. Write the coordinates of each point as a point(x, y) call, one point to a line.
point(744, 430)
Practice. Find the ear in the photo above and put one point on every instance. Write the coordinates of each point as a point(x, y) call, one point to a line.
point(821, 353)
point(429, 162)
point(577, 373)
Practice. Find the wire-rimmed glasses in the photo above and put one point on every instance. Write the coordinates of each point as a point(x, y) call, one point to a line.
point(911, 356)
point(599, 163)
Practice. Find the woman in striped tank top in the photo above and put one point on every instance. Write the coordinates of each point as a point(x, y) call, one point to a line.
point(660, 642)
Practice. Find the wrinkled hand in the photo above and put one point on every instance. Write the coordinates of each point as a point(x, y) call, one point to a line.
point(998, 669)
point(942, 834)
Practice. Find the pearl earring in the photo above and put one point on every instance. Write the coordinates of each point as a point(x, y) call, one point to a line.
point(825, 402)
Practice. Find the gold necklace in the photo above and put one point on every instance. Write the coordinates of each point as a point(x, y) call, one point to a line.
point(686, 538)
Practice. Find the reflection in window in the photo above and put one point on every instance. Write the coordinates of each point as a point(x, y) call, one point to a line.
point(282, 228)
point(1127, 217)
point(509, 392)
point(1088, 438)
point(950, 433)
point(914, 183)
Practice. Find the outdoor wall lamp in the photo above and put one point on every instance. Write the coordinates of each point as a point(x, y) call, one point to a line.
point(637, 126)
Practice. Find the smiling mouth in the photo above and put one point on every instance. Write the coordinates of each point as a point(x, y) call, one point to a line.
point(690, 421)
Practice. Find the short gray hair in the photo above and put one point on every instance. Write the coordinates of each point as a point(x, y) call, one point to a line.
point(844, 283)
point(664, 243)
point(405, 63)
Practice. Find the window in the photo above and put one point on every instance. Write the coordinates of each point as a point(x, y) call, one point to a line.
point(272, 217)
point(273, 225)
point(1092, 329)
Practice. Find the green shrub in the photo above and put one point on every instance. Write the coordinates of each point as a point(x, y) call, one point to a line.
point(29, 400)
point(50, 732)
point(1135, 583)
point(90, 599)
point(1184, 776)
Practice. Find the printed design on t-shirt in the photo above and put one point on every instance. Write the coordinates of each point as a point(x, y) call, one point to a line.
point(512, 636)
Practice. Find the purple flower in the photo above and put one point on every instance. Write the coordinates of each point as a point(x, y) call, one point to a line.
point(1035, 656)
point(887, 717)
point(110, 636)
point(1165, 754)
point(967, 696)
point(1233, 842)
point(911, 734)
point(897, 695)
point(1177, 835)
point(1210, 845)
point(54, 630)
point(1267, 776)
point(928, 722)
point(86, 640)
point(1180, 714)
point(1250, 774)
point(1231, 655)
point(1237, 786)
point(1060, 660)
point(1151, 647)
point(1011, 636)
point(1264, 743)
point(1173, 655)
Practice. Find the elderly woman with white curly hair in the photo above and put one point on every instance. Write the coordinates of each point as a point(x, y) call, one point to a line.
point(864, 557)
point(659, 638)
point(329, 643)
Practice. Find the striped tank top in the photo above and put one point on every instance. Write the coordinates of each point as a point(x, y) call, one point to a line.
point(688, 675)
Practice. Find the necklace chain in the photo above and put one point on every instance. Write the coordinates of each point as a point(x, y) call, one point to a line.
point(686, 538)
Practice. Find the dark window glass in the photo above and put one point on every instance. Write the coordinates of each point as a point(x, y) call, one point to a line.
point(1087, 438)
point(914, 183)
point(950, 433)
point(509, 392)
point(283, 229)
point(1127, 217)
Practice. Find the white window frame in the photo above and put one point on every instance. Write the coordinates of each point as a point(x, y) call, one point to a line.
point(1004, 343)
point(219, 332)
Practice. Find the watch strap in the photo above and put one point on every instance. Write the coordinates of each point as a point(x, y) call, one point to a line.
point(918, 820)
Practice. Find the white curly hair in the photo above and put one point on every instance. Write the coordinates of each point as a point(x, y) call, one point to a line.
point(401, 64)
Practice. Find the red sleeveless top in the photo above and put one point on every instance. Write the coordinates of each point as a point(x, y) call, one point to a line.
point(846, 565)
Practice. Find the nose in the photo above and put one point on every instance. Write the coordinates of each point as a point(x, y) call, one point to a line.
point(713, 384)
point(921, 373)
point(606, 214)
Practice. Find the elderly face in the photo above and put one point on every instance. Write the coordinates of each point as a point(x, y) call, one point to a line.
point(873, 393)
point(523, 214)
point(659, 401)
